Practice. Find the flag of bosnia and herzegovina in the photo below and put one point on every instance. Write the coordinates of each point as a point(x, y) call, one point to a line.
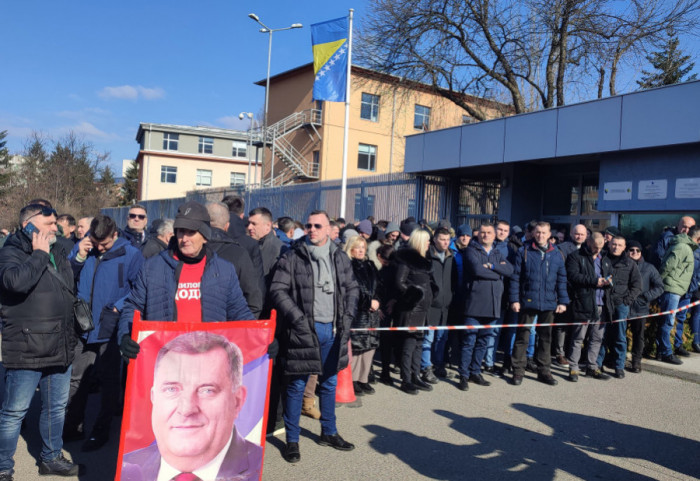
point(329, 41)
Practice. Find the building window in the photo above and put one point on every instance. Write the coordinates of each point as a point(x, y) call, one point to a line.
point(206, 145)
point(421, 119)
point(369, 109)
point(237, 178)
point(468, 119)
point(170, 141)
point(168, 174)
point(239, 148)
point(367, 157)
point(315, 163)
point(203, 177)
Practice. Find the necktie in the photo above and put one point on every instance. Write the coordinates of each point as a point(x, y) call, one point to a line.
point(186, 477)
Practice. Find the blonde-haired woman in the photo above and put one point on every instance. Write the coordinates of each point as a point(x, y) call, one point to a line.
point(363, 343)
point(415, 289)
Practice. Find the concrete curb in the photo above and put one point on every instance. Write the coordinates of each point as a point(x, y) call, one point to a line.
point(670, 370)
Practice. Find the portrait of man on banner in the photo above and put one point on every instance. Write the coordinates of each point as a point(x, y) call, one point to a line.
point(196, 402)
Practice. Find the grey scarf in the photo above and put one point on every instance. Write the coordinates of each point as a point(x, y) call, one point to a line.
point(321, 265)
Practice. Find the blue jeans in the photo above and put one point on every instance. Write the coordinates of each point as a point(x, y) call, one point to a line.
point(20, 386)
point(439, 346)
point(668, 302)
point(616, 338)
point(473, 346)
point(680, 320)
point(695, 324)
point(327, 381)
point(426, 353)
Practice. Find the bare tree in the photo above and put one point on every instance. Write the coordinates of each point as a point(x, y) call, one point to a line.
point(537, 52)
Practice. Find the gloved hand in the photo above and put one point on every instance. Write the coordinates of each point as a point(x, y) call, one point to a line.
point(273, 349)
point(129, 348)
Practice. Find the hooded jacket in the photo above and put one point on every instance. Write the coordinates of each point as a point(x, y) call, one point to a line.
point(677, 266)
point(292, 294)
point(37, 311)
point(539, 279)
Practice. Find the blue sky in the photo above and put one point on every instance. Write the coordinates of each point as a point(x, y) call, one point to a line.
point(101, 68)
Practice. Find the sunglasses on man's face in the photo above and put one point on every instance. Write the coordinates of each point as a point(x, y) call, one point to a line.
point(635, 250)
point(315, 226)
point(137, 216)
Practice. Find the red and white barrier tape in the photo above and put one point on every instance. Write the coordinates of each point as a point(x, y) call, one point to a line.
point(494, 326)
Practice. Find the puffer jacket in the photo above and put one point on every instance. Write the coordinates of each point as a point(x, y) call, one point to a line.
point(677, 266)
point(415, 288)
point(104, 282)
point(484, 289)
point(292, 294)
point(38, 329)
point(539, 281)
point(153, 293)
point(627, 283)
point(583, 282)
point(368, 281)
point(652, 288)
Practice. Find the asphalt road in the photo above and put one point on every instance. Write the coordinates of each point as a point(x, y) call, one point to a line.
point(645, 426)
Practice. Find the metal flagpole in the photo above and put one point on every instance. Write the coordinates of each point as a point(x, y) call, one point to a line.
point(344, 182)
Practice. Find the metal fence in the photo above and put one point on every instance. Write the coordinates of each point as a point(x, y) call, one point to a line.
point(387, 196)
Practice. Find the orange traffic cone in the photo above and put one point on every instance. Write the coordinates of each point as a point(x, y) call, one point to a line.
point(344, 392)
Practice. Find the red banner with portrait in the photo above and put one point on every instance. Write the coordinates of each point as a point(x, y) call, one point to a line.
point(196, 401)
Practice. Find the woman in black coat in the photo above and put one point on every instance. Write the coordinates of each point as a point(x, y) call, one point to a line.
point(363, 343)
point(415, 288)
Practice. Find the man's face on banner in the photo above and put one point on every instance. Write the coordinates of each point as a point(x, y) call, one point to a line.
point(194, 407)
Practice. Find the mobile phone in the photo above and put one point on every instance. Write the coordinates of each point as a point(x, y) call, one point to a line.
point(30, 229)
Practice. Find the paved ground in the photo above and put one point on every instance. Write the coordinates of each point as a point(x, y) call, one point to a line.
point(642, 427)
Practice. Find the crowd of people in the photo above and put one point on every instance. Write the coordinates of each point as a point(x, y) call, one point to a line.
point(332, 283)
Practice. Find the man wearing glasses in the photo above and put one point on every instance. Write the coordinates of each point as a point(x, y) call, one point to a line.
point(136, 222)
point(316, 294)
point(38, 338)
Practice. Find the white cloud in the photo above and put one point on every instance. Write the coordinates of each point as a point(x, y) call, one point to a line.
point(88, 130)
point(131, 92)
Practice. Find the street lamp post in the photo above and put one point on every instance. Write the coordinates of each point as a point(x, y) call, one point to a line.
point(266, 29)
point(241, 116)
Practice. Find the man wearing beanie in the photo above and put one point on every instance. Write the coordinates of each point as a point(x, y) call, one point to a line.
point(187, 282)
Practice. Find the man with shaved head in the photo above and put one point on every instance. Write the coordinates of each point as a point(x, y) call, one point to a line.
point(683, 226)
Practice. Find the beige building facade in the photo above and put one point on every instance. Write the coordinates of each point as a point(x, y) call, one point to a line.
point(383, 111)
point(175, 159)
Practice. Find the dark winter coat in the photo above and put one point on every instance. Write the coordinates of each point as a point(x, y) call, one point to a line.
point(136, 239)
point(37, 311)
point(292, 294)
point(539, 282)
point(248, 276)
point(567, 248)
point(446, 278)
point(368, 281)
point(153, 293)
point(627, 283)
point(152, 247)
point(662, 245)
point(237, 232)
point(271, 248)
point(583, 282)
point(484, 287)
point(415, 288)
point(652, 288)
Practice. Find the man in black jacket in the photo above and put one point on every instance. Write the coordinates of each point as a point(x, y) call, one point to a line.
point(652, 288)
point(38, 338)
point(316, 294)
point(135, 231)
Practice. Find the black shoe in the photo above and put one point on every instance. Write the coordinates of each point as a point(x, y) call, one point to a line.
point(291, 453)
point(422, 385)
point(490, 370)
point(696, 347)
point(94, 442)
point(619, 374)
point(385, 378)
point(531, 365)
point(463, 384)
point(335, 441)
point(597, 374)
point(680, 351)
point(635, 368)
point(372, 378)
point(428, 376)
point(408, 388)
point(441, 372)
point(58, 467)
point(479, 380)
point(395, 370)
point(517, 379)
point(366, 388)
point(573, 376)
point(547, 379)
point(671, 360)
point(358, 390)
point(6, 476)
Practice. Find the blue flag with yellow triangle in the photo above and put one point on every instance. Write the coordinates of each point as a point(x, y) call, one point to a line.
point(329, 41)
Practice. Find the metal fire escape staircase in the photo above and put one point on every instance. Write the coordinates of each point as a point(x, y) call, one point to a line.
point(277, 137)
